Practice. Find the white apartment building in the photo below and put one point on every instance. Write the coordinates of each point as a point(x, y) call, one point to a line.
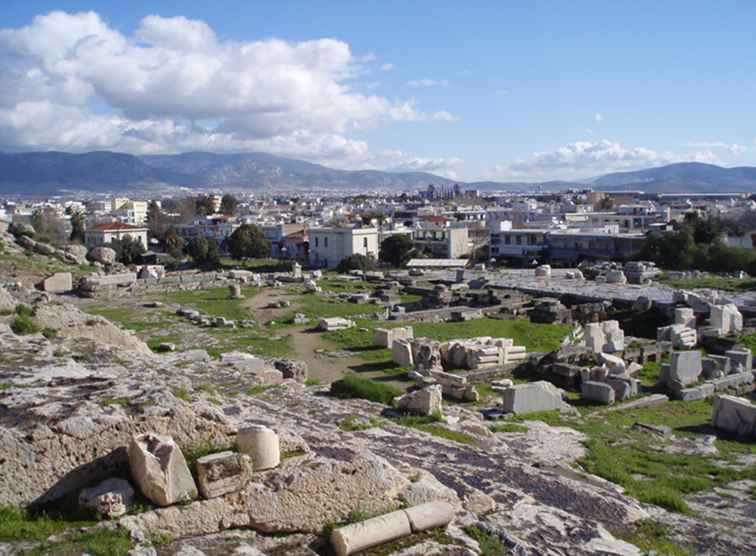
point(102, 234)
point(443, 243)
point(329, 246)
point(132, 212)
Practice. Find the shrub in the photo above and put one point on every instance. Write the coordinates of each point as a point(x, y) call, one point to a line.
point(353, 386)
point(24, 310)
point(23, 324)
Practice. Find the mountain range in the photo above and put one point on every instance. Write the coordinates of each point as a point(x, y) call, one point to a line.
point(43, 173)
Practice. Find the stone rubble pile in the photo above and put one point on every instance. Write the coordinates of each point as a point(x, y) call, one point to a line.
point(692, 376)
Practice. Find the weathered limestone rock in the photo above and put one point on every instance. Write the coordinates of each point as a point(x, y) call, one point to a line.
point(401, 353)
point(326, 489)
point(253, 367)
point(60, 282)
point(528, 398)
point(102, 255)
point(293, 369)
point(301, 318)
point(110, 499)
point(369, 533)
point(334, 323)
point(385, 337)
point(616, 277)
point(261, 444)
point(160, 470)
point(599, 392)
point(222, 473)
point(734, 415)
point(426, 401)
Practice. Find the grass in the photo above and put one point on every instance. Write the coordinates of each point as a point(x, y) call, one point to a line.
point(23, 324)
point(628, 457)
point(312, 382)
point(137, 320)
point(431, 424)
point(490, 545)
point(713, 282)
point(316, 306)
point(354, 423)
point(259, 389)
point(652, 538)
point(214, 301)
point(749, 341)
point(438, 535)
point(19, 524)
point(650, 374)
point(353, 386)
point(182, 394)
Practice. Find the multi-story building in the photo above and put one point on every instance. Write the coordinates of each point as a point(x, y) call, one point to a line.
point(277, 233)
point(442, 243)
point(216, 228)
point(104, 233)
point(329, 246)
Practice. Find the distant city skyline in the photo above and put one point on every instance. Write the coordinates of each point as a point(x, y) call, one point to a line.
point(479, 91)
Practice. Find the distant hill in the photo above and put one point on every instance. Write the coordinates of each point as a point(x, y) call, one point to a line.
point(104, 171)
point(683, 176)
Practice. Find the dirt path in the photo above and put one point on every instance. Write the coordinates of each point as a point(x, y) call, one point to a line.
point(321, 366)
point(257, 305)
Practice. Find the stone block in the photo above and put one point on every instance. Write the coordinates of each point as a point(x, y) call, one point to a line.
point(60, 282)
point(685, 316)
point(735, 416)
point(261, 444)
point(740, 360)
point(222, 473)
point(715, 366)
point(401, 353)
point(426, 401)
point(727, 319)
point(159, 468)
point(531, 397)
point(685, 367)
point(598, 392)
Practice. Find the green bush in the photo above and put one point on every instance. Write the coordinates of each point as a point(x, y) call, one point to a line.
point(353, 386)
point(23, 325)
point(24, 310)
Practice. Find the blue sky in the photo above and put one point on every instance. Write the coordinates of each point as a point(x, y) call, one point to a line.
point(494, 90)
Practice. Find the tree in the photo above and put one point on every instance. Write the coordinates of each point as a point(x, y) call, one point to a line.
point(49, 227)
point(396, 250)
point(77, 226)
point(173, 243)
point(248, 242)
point(356, 262)
point(203, 206)
point(128, 250)
point(157, 221)
point(229, 204)
point(203, 252)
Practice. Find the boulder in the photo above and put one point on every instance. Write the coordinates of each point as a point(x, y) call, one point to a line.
point(528, 398)
point(261, 444)
point(291, 369)
point(222, 473)
point(77, 252)
point(109, 499)
point(735, 416)
point(159, 468)
point(102, 255)
point(426, 401)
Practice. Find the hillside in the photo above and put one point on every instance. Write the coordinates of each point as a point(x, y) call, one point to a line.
point(683, 176)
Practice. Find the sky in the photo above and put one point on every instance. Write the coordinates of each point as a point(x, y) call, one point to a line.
point(510, 91)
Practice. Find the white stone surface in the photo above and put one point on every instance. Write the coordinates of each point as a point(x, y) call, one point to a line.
point(159, 468)
point(261, 444)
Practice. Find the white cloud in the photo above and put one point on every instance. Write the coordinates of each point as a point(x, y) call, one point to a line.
point(174, 85)
point(387, 67)
point(426, 83)
point(584, 159)
point(598, 117)
point(733, 148)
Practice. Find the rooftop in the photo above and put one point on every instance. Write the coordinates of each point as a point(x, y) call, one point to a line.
point(115, 226)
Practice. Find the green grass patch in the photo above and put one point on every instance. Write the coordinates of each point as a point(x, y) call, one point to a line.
point(353, 386)
point(438, 535)
point(508, 427)
point(182, 394)
point(713, 282)
point(17, 524)
point(315, 306)
point(312, 382)
point(214, 301)
point(24, 310)
point(137, 320)
point(259, 389)
point(96, 541)
point(23, 324)
point(652, 537)
point(490, 545)
point(354, 423)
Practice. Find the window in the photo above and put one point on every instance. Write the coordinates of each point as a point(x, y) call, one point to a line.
point(325, 242)
point(317, 242)
point(364, 243)
point(507, 239)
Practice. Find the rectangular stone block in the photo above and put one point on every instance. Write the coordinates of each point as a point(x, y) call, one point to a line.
point(685, 367)
point(598, 392)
